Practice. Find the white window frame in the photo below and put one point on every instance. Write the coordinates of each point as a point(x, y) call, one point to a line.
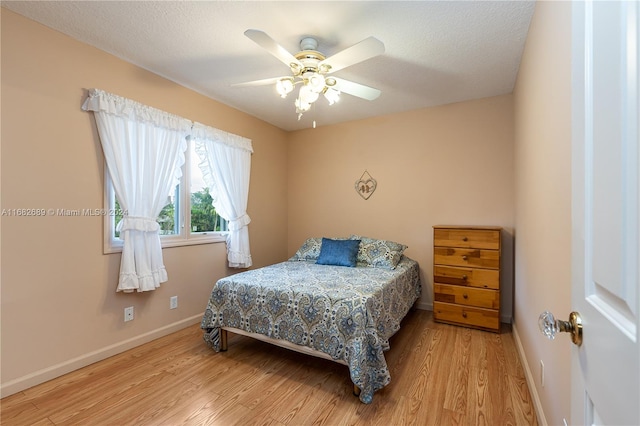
point(185, 237)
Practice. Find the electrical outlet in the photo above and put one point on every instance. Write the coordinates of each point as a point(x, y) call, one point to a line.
point(173, 302)
point(541, 373)
point(128, 314)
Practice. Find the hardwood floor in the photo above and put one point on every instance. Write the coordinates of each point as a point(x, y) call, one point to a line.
point(440, 375)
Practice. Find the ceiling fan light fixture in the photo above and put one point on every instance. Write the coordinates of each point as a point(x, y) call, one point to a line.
point(332, 95)
point(301, 107)
point(316, 82)
point(310, 67)
point(284, 86)
point(307, 95)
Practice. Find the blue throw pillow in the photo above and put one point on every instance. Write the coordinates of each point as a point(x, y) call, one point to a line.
point(338, 252)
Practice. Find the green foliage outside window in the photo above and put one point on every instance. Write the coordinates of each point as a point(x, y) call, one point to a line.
point(204, 217)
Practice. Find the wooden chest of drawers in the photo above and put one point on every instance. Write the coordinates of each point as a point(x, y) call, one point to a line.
point(466, 276)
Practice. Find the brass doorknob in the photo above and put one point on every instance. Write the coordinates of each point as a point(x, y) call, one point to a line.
point(549, 326)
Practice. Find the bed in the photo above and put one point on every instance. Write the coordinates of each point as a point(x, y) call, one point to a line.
point(328, 301)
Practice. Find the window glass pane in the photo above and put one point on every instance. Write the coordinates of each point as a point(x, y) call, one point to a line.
point(204, 218)
point(117, 218)
point(203, 215)
point(168, 219)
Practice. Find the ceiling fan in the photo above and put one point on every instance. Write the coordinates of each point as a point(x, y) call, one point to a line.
point(312, 70)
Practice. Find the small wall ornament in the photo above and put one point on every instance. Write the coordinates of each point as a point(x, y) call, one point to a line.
point(366, 185)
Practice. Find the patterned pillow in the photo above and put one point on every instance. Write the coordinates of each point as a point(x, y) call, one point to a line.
point(310, 250)
point(379, 253)
point(339, 252)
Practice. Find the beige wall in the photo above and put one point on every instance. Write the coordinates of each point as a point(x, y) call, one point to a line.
point(445, 165)
point(59, 308)
point(543, 201)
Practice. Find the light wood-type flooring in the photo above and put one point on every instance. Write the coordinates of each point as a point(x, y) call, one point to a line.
point(440, 375)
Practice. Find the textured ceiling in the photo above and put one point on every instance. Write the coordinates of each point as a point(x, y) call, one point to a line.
point(436, 52)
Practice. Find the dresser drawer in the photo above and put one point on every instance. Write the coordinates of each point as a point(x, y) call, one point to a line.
point(466, 315)
point(466, 257)
point(469, 296)
point(476, 238)
point(482, 278)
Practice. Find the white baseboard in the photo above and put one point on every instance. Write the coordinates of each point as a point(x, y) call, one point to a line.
point(529, 376)
point(46, 374)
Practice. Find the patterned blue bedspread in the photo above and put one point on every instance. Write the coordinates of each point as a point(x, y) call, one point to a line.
point(348, 313)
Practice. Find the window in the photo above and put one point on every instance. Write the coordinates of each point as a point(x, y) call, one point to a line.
point(188, 218)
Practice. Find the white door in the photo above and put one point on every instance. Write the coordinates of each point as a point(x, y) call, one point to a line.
point(605, 216)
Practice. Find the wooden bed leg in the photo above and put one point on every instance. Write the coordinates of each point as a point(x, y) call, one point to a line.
point(223, 340)
point(356, 390)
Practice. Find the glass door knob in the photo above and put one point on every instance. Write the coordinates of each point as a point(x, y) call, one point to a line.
point(549, 326)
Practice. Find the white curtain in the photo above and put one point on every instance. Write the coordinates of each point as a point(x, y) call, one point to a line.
point(225, 161)
point(144, 149)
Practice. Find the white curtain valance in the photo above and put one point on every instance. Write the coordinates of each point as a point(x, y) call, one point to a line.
point(99, 100)
point(202, 132)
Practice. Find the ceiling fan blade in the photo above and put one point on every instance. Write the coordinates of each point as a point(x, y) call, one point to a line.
point(264, 82)
point(356, 89)
point(367, 48)
point(270, 45)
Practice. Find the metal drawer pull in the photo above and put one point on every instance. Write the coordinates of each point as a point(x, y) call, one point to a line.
point(464, 257)
point(464, 278)
point(464, 315)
